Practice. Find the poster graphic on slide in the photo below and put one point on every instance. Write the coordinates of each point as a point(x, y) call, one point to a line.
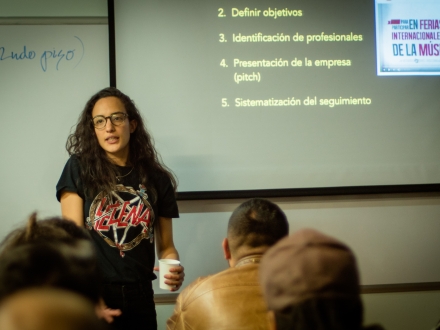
point(408, 37)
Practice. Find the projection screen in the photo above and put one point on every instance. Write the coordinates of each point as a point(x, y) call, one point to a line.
point(248, 95)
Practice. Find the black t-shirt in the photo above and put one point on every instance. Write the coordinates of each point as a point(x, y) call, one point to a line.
point(122, 225)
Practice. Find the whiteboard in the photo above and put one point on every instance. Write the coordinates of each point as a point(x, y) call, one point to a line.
point(47, 73)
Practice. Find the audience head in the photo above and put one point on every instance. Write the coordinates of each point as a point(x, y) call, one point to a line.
point(48, 309)
point(254, 226)
point(310, 281)
point(42, 231)
point(49, 253)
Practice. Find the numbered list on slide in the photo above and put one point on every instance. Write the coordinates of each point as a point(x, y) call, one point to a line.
point(288, 57)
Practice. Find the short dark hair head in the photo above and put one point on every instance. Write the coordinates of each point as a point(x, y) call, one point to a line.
point(256, 223)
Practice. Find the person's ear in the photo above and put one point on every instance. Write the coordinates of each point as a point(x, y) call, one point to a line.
point(271, 320)
point(133, 125)
point(226, 251)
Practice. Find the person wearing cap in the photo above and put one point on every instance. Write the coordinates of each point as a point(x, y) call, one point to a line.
point(232, 299)
point(310, 281)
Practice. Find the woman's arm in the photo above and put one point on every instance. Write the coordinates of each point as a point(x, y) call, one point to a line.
point(166, 250)
point(72, 207)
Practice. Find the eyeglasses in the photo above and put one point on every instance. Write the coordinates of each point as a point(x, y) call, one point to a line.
point(116, 119)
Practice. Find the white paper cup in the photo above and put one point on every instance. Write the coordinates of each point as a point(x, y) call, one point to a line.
point(164, 268)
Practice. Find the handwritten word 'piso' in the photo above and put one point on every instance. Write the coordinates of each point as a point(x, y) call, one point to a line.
point(49, 58)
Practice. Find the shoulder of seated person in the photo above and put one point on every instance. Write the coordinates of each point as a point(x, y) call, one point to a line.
point(206, 284)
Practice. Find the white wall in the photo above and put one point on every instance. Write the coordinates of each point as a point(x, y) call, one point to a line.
point(395, 237)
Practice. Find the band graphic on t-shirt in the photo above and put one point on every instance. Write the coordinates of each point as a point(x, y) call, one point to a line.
point(122, 219)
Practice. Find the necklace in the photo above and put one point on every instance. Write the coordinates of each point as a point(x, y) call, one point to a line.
point(255, 259)
point(118, 177)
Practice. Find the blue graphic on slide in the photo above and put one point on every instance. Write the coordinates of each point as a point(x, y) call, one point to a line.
point(408, 37)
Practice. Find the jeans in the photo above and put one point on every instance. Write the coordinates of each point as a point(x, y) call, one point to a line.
point(136, 301)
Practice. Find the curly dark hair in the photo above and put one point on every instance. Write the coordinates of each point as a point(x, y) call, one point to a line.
point(97, 171)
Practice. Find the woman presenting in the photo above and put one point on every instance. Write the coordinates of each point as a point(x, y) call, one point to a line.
point(115, 185)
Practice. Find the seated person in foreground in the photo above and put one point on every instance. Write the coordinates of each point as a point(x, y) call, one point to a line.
point(310, 281)
point(232, 299)
point(53, 252)
point(48, 265)
point(48, 309)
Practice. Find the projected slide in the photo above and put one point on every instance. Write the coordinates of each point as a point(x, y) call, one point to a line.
point(408, 37)
point(243, 95)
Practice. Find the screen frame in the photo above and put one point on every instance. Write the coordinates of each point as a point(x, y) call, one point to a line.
point(270, 193)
